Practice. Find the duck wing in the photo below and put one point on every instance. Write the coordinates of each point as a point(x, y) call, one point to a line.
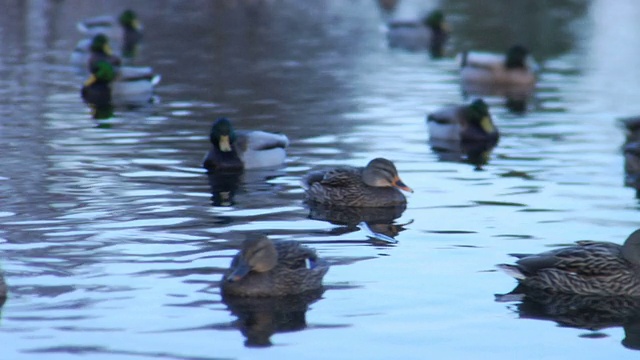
point(588, 258)
point(481, 60)
point(446, 116)
point(260, 140)
point(292, 255)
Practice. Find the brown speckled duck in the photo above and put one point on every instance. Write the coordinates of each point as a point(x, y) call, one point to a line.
point(588, 268)
point(265, 268)
point(375, 185)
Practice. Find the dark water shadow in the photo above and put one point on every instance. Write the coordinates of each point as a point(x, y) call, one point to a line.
point(259, 318)
point(476, 153)
point(593, 313)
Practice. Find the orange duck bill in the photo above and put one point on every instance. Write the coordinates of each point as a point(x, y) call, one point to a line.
point(397, 182)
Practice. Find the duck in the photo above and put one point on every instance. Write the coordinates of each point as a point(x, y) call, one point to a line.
point(375, 185)
point(133, 85)
point(96, 90)
point(516, 68)
point(587, 268)
point(463, 123)
point(233, 150)
point(429, 33)
point(266, 268)
point(129, 33)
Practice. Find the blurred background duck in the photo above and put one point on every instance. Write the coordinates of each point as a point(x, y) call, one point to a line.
point(430, 33)
point(465, 123)
point(233, 150)
point(516, 67)
point(127, 31)
point(588, 268)
point(376, 185)
point(265, 268)
point(115, 85)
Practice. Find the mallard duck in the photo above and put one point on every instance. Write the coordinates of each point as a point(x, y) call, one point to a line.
point(265, 268)
point(431, 33)
point(233, 150)
point(375, 185)
point(517, 67)
point(588, 268)
point(97, 89)
point(466, 123)
point(129, 33)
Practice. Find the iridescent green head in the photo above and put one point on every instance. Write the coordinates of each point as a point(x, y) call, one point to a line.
point(478, 112)
point(516, 57)
point(434, 20)
point(222, 134)
point(100, 43)
point(129, 19)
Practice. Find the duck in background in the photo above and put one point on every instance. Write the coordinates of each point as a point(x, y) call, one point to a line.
point(96, 91)
point(463, 123)
point(587, 268)
point(233, 150)
point(265, 268)
point(430, 33)
point(517, 67)
point(376, 185)
point(127, 30)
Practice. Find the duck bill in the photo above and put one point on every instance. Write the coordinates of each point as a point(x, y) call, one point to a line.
point(91, 80)
point(487, 125)
point(107, 49)
point(239, 272)
point(224, 143)
point(401, 185)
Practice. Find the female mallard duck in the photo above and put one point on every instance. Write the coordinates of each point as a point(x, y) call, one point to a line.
point(430, 33)
point(233, 150)
point(588, 268)
point(265, 268)
point(465, 123)
point(375, 185)
point(517, 67)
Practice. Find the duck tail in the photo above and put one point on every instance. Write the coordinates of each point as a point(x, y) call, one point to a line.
point(311, 178)
point(512, 270)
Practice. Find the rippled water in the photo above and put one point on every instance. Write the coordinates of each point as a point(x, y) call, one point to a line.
point(112, 247)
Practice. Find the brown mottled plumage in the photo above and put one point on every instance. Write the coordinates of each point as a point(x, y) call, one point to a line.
point(266, 268)
point(588, 268)
point(375, 185)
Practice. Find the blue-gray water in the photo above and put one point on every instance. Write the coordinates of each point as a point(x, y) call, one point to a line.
point(111, 247)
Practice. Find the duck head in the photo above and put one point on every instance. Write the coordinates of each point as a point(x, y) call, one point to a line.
point(100, 44)
point(257, 254)
point(102, 72)
point(516, 57)
point(381, 172)
point(129, 20)
point(435, 21)
point(478, 115)
point(222, 135)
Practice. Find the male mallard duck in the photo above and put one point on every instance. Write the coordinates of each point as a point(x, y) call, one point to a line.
point(430, 33)
point(97, 89)
point(588, 268)
point(517, 67)
point(375, 185)
point(133, 84)
point(466, 123)
point(236, 150)
point(265, 268)
point(129, 33)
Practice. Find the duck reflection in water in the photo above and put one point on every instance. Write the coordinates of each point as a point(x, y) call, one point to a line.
point(224, 186)
point(589, 312)
point(377, 222)
point(260, 318)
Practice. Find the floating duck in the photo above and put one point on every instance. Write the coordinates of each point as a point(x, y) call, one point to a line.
point(430, 33)
point(233, 150)
point(376, 185)
point(265, 268)
point(516, 67)
point(588, 268)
